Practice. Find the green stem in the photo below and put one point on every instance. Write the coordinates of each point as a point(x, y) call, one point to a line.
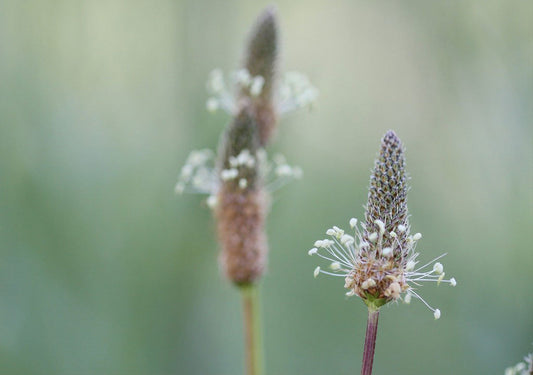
point(370, 341)
point(252, 330)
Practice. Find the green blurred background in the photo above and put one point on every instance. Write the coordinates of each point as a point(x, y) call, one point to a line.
point(103, 270)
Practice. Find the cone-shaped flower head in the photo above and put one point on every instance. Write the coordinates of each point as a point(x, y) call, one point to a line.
point(378, 263)
point(241, 201)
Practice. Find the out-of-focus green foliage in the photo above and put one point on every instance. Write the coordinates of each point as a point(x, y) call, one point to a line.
point(103, 270)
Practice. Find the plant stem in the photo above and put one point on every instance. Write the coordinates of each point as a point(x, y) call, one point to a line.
point(370, 341)
point(252, 330)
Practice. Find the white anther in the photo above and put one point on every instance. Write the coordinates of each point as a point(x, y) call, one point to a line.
point(438, 268)
point(297, 172)
point(368, 283)
point(401, 228)
point(313, 251)
point(417, 236)
point(436, 314)
point(372, 237)
point(381, 226)
point(410, 265)
point(180, 188)
point(350, 293)
point(441, 277)
point(257, 85)
point(335, 266)
point(318, 243)
point(393, 234)
point(387, 251)
point(346, 239)
point(283, 170)
point(453, 282)
point(215, 82)
point(348, 282)
point(353, 222)
point(393, 290)
point(316, 271)
point(330, 232)
point(211, 201)
point(407, 298)
point(212, 104)
point(242, 76)
point(228, 174)
point(243, 183)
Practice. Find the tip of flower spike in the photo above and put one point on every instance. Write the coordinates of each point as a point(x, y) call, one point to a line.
point(316, 272)
point(313, 251)
point(436, 314)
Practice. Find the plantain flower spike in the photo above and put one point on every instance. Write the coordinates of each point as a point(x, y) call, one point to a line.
point(241, 201)
point(260, 61)
point(379, 262)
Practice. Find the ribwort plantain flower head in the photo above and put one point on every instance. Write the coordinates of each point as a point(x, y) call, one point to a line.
point(378, 258)
point(239, 178)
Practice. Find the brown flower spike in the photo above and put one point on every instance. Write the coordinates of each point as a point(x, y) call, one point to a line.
point(242, 202)
point(379, 262)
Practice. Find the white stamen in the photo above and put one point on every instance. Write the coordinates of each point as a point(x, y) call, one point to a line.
point(350, 293)
point(407, 298)
point(353, 222)
point(393, 234)
point(410, 265)
point(436, 314)
point(313, 251)
point(243, 183)
point(417, 236)
point(453, 282)
point(401, 228)
point(316, 271)
point(335, 266)
point(387, 252)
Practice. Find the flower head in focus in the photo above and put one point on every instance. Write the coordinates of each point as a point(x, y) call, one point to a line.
point(378, 258)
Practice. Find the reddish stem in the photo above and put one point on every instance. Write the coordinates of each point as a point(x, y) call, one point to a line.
point(370, 341)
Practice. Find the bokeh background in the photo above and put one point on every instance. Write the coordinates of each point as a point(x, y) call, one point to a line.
point(103, 270)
